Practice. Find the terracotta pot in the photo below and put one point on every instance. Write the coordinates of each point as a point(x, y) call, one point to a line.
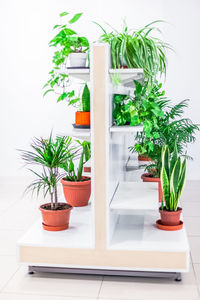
point(77, 193)
point(82, 118)
point(87, 169)
point(55, 220)
point(146, 177)
point(170, 218)
point(143, 158)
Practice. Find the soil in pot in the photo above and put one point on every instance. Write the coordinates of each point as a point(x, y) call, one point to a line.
point(77, 193)
point(82, 118)
point(57, 219)
point(147, 177)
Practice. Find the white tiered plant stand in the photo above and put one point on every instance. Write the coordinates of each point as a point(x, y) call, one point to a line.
point(116, 233)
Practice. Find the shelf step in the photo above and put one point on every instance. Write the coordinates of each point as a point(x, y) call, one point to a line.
point(81, 74)
point(125, 129)
point(137, 196)
point(127, 76)
point(78, 235)
point(83, 134)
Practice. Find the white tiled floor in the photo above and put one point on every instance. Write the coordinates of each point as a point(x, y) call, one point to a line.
point(17, 214)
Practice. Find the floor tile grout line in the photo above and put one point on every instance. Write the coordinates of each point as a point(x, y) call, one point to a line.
point(9, 279)
point(196, 280)
point(47, 295)
point(100, 288)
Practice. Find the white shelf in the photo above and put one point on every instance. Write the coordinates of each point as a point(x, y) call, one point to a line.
point(138, 196)
point(126, 129)
point(78, 235)
point(83, 134)
point(140, 233)
point(81, 74)
point(128, 76)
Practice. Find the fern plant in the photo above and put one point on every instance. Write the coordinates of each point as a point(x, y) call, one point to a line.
point(173, 174)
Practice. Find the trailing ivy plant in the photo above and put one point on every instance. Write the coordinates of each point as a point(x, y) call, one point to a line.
point(65, 41)
point(137, 49)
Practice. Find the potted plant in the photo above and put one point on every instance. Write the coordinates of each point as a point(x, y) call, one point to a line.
point(71, 44)
point(137, 49)
point(173, 174)
point(171, 129)
point(76, 187)
point(68, 45)
point(82, 118)
point(49, 155)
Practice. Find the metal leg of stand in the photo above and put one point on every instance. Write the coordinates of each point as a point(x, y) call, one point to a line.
point(178, 277)
point(30, 270)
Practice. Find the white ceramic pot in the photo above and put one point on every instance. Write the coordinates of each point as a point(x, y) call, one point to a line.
point(77, 60)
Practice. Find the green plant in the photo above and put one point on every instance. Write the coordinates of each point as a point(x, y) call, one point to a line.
point(85, 99)
point(137, 49)
point(75, 173)
point(66, 41)
point(173, 174)
point(144, 108)
point(49, 155)
point(171, 129)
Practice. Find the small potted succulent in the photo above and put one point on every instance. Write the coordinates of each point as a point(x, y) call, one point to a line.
point(82, 117)
point(76, 187)
point(49, 155)
point(173, 174)
point(70, 43)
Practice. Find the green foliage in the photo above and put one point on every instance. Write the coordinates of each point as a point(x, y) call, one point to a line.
point(49, 155)
point(137, 49)
point(66, 41)
point(171, 129)
point(173, 174)
point(85, 99)
point(144, 108)
point(74, 173)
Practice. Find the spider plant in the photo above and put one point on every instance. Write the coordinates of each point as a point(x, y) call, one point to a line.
point(137, 49)
point(49, 155)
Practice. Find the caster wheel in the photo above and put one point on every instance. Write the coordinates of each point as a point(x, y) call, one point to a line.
point(31, 273)
point(178, 279)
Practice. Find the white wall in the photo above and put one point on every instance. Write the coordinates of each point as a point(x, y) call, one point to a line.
point(25, 30)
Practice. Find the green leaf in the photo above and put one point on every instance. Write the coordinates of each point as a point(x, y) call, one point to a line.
point(75, 18)
point(181, 179)
point(56, 26)
point(50, 90)
point(165, 187)
point(63, 14)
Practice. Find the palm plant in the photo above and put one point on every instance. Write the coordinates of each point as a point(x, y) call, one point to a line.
point(173, 174)
point(171, 129)
point(49, 155)
point(137, 49)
